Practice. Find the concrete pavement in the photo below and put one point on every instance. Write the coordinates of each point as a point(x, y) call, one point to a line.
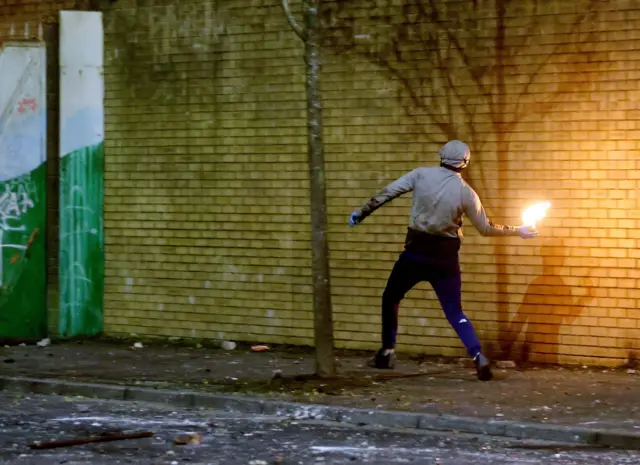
point(586, 405)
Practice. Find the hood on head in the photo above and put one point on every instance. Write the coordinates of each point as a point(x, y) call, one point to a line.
point(455, 154)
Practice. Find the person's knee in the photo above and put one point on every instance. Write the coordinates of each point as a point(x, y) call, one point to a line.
point(390, 299)
point(456, 317)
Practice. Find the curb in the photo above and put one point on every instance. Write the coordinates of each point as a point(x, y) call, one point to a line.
point(300, 411)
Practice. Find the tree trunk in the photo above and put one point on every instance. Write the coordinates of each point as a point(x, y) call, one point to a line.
point(502, 147)
point(325, 363)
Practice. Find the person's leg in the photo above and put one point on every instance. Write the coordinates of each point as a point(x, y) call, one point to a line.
point(406, 273)
point(449, 291)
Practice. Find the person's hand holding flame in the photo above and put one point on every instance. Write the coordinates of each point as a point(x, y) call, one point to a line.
point(530, 217)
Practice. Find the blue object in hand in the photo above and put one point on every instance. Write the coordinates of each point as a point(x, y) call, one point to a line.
point(354, 219)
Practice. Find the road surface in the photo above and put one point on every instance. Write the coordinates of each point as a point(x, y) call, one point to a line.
point(244, 439)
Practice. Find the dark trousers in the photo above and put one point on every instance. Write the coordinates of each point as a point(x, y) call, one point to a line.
point(444, 275)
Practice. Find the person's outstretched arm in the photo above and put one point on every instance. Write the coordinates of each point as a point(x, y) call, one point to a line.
point(398, 187)
point(475, 212)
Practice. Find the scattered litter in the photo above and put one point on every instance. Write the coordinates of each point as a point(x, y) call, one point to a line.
point(88, 440)
point(257, 462)
point(631, 372)
point(44, 343)
point(228, 345)
point(188, 439)
point(22, 345)
point(138, 345)
point(505, 364)
point(260, 348)
point(9, 360)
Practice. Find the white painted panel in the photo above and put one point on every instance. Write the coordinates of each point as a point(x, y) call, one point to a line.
point(81, 80)
point(22, 109)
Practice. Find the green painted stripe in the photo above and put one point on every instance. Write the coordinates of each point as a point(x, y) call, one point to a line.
point(81, 242)
point(23, 309)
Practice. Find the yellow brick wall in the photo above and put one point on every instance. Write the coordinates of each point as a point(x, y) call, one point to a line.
point(206, 210)
point(549, 118)
point(206, 213)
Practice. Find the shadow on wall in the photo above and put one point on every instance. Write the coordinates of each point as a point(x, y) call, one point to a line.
point(465, 70)
point(548, 305)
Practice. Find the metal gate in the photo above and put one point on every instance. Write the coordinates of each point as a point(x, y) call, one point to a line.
point(23, 310)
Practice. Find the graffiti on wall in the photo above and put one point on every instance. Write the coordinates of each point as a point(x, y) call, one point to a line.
point(23, 308)
point(16, 199)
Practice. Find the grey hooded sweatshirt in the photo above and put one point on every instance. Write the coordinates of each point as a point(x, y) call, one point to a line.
point(440, 199)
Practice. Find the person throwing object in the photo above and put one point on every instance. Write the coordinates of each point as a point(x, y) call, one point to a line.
point(440, 198)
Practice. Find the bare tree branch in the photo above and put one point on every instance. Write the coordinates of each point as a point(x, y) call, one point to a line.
point(444, 127)
point(448, 90)
point(581, 18)
point(300, 32)
point(466, 59)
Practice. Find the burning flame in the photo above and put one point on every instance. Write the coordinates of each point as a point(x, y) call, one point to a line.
point(535, 213)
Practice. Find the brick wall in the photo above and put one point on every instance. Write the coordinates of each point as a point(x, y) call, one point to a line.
point(206, 211)
point(546, 97)
point(38, 20)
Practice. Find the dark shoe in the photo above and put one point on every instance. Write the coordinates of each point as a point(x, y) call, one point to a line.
point(483, 368)
point(382, 361)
